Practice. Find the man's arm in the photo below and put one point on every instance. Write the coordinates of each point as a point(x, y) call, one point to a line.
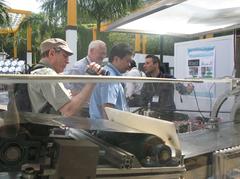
point(147, 93)
point(129, 89)
point(77, 101)
point(130, 86)
point(79, 68)
point(184, 89)
point(103, 109)
point(75, 104)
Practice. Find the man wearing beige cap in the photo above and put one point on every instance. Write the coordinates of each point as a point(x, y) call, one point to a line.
point(54, 97)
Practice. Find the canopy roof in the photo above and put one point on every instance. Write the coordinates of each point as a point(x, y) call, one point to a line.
point(182, 17)
point(16, 17)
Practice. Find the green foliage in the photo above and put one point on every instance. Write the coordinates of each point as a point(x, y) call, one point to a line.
point(43, 28)
point(153, 44)
point(102, 10)
point(154, 41)
point(230, 32)
point(95, 11)
point(84, 38)
point(6, 42)
point(118, 37)
point(56, 11)
point(168, 44)
point(4, 17)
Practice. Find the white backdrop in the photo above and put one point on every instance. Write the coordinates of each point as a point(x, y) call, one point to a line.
point(224, 66)
point(224, 47)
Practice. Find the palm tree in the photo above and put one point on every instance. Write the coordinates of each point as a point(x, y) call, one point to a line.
point(4, 17)
point(5, 22)
point(94, 10)
point(106, 10)
point(42, 29)
point(56, 10)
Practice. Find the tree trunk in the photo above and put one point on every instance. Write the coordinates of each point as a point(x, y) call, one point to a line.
point(98, 29)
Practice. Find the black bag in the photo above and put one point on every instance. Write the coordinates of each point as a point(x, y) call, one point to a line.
point(20, 91)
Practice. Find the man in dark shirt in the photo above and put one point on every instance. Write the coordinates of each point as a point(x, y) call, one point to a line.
point(160, 96)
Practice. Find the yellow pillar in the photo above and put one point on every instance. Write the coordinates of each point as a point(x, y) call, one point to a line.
point(137, 42)
point(209, 36)
point(94, 31)
point(15, 45)
point(206, 36)
point(29, 38)
point(29, 45)
point(104, 26)
point(72, 13)
point(144, 48)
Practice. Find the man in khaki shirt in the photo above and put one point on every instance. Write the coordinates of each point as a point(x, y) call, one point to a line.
point(54, 57)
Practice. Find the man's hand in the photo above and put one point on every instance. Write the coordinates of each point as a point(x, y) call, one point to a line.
point(95, 69)
point(190, 88)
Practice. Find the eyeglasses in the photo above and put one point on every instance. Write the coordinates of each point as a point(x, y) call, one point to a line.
point(65, 55)
point(58, 50)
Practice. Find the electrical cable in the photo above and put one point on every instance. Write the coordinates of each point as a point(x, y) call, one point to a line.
point(210, 98)
point(195, 96)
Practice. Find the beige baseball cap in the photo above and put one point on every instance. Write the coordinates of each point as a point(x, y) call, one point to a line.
point(55, 43)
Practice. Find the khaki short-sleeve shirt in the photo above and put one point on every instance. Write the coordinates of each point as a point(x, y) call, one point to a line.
point(52, 92)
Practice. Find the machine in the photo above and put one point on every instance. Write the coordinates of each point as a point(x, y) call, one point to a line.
point(47, 146)
point(128, 145)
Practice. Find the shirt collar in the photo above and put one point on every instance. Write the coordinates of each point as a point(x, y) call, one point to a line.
point(44, 62)
point(114, 69)
point(88, 60)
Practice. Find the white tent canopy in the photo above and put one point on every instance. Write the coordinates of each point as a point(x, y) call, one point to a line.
point(182, 17)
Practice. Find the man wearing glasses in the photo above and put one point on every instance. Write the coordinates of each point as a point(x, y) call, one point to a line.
point(53, 97)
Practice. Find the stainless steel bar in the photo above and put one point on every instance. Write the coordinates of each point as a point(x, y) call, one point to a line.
point(105, 171)
point(202, 111)
point(26, 78)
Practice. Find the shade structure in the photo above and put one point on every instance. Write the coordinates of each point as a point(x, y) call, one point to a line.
point(182, 18)
point(16, 17)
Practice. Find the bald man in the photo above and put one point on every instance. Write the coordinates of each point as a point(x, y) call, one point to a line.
point(97, 51)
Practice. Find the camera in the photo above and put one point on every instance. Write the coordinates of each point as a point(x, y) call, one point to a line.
point(92, 72)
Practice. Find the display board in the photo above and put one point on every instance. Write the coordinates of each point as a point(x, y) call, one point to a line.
point(219, 49)
point(205, 58)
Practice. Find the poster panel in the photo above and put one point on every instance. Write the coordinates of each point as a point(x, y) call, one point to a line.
point(201, 64)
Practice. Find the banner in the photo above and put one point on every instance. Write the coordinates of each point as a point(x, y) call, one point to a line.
point(201, 64)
